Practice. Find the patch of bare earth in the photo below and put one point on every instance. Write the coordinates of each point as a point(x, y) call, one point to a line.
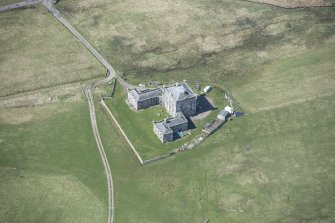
point(295, 3)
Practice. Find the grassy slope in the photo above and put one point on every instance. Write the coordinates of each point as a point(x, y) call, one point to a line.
point(49, 166)
point(37, 51)
point(296, 3)
point(274, 166)
point(297, 78)
point(271, 166)
point(6, 2)
point(209, 41)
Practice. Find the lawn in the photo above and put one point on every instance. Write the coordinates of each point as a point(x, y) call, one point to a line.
point(139, 127)
point(36, 52)
point(50, 166)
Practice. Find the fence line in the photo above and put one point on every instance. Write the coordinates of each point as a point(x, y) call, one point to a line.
point(121, 130)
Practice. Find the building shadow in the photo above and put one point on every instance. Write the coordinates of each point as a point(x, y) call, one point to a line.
point(204, 105)
point(191, 125)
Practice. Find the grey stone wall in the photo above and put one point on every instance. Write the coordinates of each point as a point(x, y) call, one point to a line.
point(169, 103)
point(180, 128)
point(147, 103)
point(168, 137)
point(163, 137)
point(188, 106)
point(132, 100)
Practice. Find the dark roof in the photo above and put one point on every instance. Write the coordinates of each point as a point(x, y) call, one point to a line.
point(146, 94)
point(180, 92)
point(178, 120)
point(164, 129)
point(166, 124)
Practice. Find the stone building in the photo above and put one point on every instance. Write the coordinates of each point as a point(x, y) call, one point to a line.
point(144, 99)
point(223, 115)
point(180, 98)
point(167, 128)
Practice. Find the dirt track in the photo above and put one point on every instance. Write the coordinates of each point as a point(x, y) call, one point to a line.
point(89, 94)
point(294, 4)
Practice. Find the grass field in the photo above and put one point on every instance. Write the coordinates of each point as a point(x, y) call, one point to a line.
point(297, 3)
point(139, 127)
point(274, 166)
point(38, 52)
point(6, 2)
point(196, 40)
point(50, 167)
point(302, 77)
point(265, 167)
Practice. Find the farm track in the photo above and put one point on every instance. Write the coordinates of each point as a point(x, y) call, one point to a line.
point(89, 90)
point(89, 94)
point(19, 5)
point(292, 5)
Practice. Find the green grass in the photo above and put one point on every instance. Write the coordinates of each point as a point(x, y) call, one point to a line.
point(296, 3)
point(38, 52)
point(139, 127)
point(50, 167)
point(305, 76)
point(274, 166)
point(208, 41)
point(6, 2)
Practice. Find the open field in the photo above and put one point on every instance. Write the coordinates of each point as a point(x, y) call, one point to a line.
point(6, 2)
point(38, 52)
point(297, 3)
point(275, 166)
point(302, 77)
point(196, 40)
point(49, 165)
point(139, 127)
point(62, 93)
point(272, 166)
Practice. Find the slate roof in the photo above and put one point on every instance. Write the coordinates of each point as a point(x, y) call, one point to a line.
point(166, 124)
point(180, 92)
point(164, 129)
point(146, 94)
point(225, 114)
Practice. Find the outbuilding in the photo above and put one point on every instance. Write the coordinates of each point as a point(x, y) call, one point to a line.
point(229, 109)
point(223, 115)
point(144, 99)
point(166, 128)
